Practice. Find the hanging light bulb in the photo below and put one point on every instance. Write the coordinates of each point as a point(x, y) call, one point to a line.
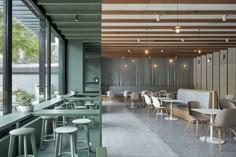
point(177, 29)
point(182, 40)
point(158, 18)
point(138, 40)
point(224, 18)
point(227, 40)
point(146, 51)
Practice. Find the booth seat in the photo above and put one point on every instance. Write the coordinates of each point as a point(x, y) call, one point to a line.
point(119, 89)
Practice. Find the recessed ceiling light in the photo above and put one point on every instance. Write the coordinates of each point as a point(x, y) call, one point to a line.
point(158, 18)
point(77, 18)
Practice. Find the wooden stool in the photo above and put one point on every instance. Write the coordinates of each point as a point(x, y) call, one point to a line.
point(22, 132)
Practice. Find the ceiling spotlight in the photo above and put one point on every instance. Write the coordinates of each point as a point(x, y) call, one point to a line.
point(138, 40)
point(199, 51)
point(227, 40)
point(146, 51)
point(162, 51)
point(177, 29)
point(224, 18)
point(195, 50)
point(171, 60)
point(129, 51)
point(154, 65)
point(77, 18)
point(158, 18)
point(182, 40)
point(209, 60)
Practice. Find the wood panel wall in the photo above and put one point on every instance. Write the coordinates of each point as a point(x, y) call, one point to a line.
point(216, 71)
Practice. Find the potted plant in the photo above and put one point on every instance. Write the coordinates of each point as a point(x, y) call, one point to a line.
point(25, 101)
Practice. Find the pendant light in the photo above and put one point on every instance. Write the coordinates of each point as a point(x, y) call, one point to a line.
point(177, 27)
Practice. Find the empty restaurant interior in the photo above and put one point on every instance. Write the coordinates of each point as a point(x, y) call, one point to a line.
point(118, 78)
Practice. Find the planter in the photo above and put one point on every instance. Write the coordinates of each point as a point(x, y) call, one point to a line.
point(26, 108)
point(72, 92)
point(59, 96)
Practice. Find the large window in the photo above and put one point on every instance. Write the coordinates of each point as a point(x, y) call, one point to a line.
point(54, 65)
point(1, 61)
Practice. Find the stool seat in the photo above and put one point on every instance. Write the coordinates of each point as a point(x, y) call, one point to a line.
point(49, 117)
point(80, 107)
point(66, 129)
point(22, 131)
point(81, 121)
point(89, 104)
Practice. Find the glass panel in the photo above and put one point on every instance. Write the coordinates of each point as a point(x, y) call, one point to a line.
point(54, 64)
point(1, 61)
point(25, 61)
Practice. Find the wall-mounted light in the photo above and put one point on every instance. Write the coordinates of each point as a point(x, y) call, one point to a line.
point(224, 18)
point(171, 60)
point(128, 51)
point(149, 57)
point(209, 60)
point(133, 60)
point(185, 65)
point(176, 57)
point(154, 65)
point(157, 18)
point(123, 57)
point(198, 62)
point(125, 65)
point(77, 18)
point(223, 56)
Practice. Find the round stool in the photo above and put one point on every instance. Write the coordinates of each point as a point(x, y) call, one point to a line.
point(22, 132)
point(90, 105)
point(44, 136)
point(84, 123)
point(63, 122)
point(60, 131)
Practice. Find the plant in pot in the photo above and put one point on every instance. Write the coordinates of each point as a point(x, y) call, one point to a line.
point(25, 101)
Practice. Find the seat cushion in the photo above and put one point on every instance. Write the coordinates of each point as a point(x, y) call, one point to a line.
point(66, 129)
point(22, 131)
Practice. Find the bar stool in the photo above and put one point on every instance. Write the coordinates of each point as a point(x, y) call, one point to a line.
point(22, 132)
point(60, 131)
point(84, 123)
point(44, 136)
point(63, 122)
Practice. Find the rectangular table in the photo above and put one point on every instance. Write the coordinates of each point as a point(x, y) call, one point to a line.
point(212, 113)
point(171, 107)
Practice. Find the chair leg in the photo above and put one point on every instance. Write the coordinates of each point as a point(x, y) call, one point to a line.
point(189, 123)
point(154, 110)
point(33, 143)
point(219, 138)
point(57, 145)
point(207, 132)
point(197, 128)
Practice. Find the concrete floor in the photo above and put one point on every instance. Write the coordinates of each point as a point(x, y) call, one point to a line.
point(132, 133)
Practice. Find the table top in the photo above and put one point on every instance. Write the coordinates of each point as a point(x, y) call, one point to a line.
point(163, 98)
point(172, 100)
point(72, 112)
point(83, 98)
point(207, 111)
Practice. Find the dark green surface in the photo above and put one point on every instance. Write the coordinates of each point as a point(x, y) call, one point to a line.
point(101, 152)
point(68, 113)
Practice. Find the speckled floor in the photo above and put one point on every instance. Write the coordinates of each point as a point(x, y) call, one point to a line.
point(132, 133)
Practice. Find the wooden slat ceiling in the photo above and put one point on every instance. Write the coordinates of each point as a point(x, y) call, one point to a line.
point(131, 25)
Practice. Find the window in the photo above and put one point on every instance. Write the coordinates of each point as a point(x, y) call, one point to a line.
point(1, 61)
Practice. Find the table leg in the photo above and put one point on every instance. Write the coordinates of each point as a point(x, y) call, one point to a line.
point(211, 139)
point(171, 114)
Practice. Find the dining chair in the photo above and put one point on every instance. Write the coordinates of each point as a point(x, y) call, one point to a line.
point(148, 102)
point(170, 95)
point(229, 97)
point(196, 116)
point(126, 95)
point(163, 93)
point(143, 93)
point(225, 119)
point(134, 98)
point(224, 104)
point(158, 107)
point(155, 94)
point(110, 94)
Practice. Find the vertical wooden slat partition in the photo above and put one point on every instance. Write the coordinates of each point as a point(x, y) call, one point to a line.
point(204, 72)
point(223, 73)
point(232, 71)
point(199, 72)
point(209, 72)
point(216, 72)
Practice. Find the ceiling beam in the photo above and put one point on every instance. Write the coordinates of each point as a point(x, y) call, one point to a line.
point(168, 2)
point(168, 12)
point(68, 2)
point(72, 12)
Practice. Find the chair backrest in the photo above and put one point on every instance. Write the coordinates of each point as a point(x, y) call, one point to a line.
point(155, 94)
point(163, 93)
point(224, 104)
point(144, 92)
point(110, 93)
point(226, 118)
point(228, 97)
point(193, 105)
point(126, 92)
point(147, 100)
point(156, 102)
point(170, 95)
point(134, 96)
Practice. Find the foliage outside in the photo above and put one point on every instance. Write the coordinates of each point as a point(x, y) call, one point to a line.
point(23, 97)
